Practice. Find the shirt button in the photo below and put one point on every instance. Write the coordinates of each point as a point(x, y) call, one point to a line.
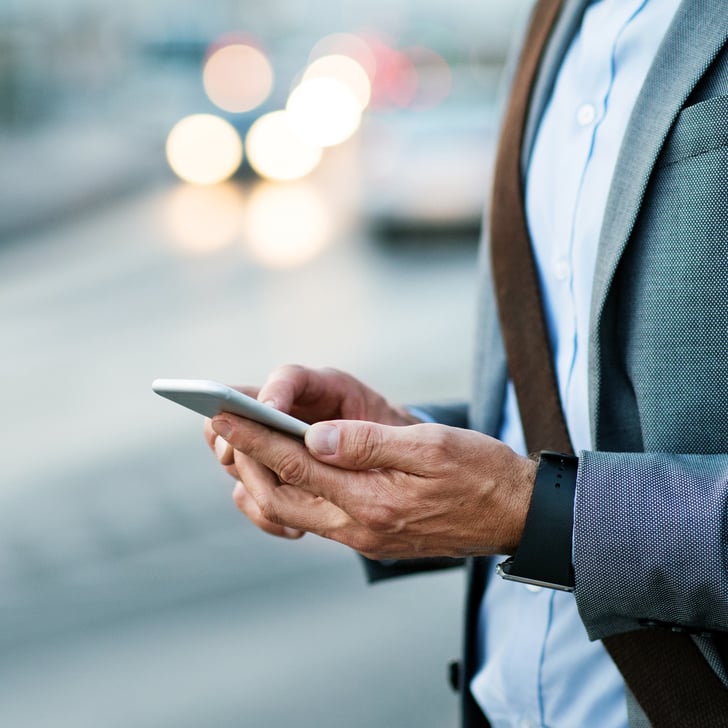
point(526, 723)
point(533, 588)
point(586, 114)
point(562, 269)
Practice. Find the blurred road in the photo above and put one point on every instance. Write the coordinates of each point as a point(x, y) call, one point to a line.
point(131, 592)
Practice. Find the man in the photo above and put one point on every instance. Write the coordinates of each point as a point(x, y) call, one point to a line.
point(624, 175)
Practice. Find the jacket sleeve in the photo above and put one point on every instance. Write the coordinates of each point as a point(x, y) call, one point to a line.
point(454, 414)
point(381, 570)
point(651, 541)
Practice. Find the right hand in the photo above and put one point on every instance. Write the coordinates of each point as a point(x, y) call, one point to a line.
point(311, 395)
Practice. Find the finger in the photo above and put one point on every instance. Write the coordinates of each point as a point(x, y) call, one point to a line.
point(284, 455)
point(209, 433)
point(288, 504)
point(272, 506)
point(284, 387)
point(251, 471)
point(284, 506)
point(292, 506)
point(223, 451)
point(315, 393)
point(292, 463)
point(248, 390)
point(248, 507)
point(357, 445)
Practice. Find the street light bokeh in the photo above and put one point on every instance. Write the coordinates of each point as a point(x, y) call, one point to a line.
point(287, 225)
point(276, 152)
point(204, 149)
point(202, 219)
point(346, 70)
point(323, 111)
point(237, 77)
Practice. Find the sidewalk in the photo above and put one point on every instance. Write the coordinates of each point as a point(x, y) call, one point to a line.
point(53, 172)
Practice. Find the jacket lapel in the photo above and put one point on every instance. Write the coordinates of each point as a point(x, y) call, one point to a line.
point(694, 39)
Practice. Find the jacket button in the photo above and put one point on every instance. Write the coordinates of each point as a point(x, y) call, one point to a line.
point(453, 673)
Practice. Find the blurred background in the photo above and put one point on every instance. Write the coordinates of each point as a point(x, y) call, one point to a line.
point(210, 190)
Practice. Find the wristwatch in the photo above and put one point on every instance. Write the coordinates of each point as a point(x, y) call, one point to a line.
point(543, 557)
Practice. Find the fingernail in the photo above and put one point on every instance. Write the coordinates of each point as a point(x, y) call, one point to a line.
point(222, 427)
point(221, 447)
point(322, 439)
point(292, 532)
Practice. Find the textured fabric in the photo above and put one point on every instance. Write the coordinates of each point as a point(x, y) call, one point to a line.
point(683, 65)
point(683, 579)
point(530, 638)
point(696, 37)
point(656, 383)
point(668, 311)
point(454, 414)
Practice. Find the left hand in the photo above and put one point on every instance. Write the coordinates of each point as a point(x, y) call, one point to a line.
point(389, 492)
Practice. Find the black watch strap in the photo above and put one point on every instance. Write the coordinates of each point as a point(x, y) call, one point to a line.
point(543, 557)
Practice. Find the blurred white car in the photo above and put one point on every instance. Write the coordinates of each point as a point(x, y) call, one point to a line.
point(427, 171)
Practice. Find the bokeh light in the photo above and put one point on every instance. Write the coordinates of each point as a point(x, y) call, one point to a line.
point(347, 44)
point(344, 69)
point(434, 77)
point(276, 152)
point(202, 220)
point(323, 111)
point(287, 225)
point(204, 149)
point(395, 83)
point(237, 77)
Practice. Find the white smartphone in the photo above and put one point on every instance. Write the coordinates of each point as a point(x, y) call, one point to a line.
point(210, 398)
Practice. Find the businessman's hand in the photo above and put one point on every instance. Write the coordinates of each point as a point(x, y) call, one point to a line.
point(387, 492)
point(310, 395)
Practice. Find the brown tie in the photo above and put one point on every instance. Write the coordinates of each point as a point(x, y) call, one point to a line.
point(664, 670)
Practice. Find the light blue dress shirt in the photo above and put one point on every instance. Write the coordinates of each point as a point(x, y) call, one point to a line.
point(537, 666)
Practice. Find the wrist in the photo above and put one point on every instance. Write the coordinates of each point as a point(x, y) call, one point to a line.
point(521, 494)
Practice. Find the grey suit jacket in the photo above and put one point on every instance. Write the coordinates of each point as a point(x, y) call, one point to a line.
point(651, 529)
point(651, 513)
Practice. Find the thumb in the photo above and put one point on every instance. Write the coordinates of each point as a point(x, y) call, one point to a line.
point(359, 445)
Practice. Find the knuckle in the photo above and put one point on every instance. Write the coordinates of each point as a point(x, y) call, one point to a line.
point(260, 511)
point(440, 438)
point(292, 469)
point(439, 443)
point(366, 544)
point(251, 444)
point(379, 518)
point(365, 445)
point(269, 510)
